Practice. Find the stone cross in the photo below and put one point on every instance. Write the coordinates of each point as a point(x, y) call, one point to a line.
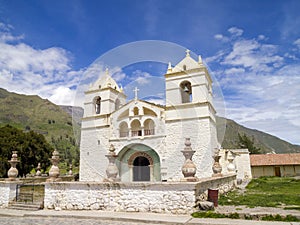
point(187, 53)
point(136, 93)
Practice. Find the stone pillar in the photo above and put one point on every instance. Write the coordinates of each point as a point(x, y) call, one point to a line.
point(217, 168)
point(189, 168)
point(13, 172)
point(54, 170)
point(112, 170)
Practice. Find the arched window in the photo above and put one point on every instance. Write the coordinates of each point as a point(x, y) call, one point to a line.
point(184, 67)
point(123, 128)
point(136, 111)
point(136, 129)
point(97, 105)
point(149, 127)
point(117, 104)
point(186, 91)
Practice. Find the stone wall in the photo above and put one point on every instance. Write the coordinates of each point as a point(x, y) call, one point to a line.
point(7, 193)
point(160, 197)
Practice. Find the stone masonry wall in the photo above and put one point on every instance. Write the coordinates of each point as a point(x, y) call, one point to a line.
point(161, 197)
point(7, 193)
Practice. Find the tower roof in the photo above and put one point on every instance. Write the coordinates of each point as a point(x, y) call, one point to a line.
point(186, 63)
point(105, 81)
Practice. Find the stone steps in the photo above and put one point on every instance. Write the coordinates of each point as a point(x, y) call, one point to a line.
point(25, 206)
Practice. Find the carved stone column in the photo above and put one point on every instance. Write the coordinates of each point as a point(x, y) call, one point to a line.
point(189, 168)
point(112, 170)
point(54, 170)
point(13, 172)
point(217, 168)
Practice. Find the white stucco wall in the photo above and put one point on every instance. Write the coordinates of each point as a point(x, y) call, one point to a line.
point(93, 148)
point(160, 197)
point(7, 193)
point(198, 130)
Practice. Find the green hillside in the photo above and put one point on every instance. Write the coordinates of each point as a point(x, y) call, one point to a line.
point(42, 116)
point(264, 141)
point(55, 122)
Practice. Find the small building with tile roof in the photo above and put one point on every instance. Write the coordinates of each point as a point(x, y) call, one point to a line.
point(281, 165)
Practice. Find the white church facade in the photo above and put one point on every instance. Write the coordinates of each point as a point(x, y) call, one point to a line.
point(149, 138)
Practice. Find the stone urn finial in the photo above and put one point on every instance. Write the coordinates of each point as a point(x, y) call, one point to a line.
point(189, 168)
point(112, 170)
point(54, 170)
point(13, 172)
point(231, 167)
point(38, 170)
point(70, 173)
point(217, 168)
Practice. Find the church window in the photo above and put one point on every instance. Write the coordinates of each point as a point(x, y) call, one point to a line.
point(123, 128)
point(117, 104)
point(136, 129)
point(98, 105)
point(136, 111)
point(149, 127)
point(186, 91)
point(184, 67)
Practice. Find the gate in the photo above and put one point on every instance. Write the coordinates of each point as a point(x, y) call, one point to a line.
point(30, 192)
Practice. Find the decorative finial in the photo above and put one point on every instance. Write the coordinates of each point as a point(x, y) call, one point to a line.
point(136, 93)
point(106, 71)
point(200, 60)
point(169, 68)
point(187, 53)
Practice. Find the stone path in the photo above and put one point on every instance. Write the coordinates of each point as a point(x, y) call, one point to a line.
point(60, 221)
point(89, 217)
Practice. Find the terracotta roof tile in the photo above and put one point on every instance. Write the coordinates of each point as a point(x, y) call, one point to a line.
point(275, 159)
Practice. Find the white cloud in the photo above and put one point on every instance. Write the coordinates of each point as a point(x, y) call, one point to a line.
point(26, 70)
point(261, 89)
point(62, 96)
point(235, 31)
point(234, 71)
point(140, 77)
point(221, 37)
point(297, 43)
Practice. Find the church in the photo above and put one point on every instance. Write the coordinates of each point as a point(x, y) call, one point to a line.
point(148, 138)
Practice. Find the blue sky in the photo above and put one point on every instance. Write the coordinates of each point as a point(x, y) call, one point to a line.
point(251, 47)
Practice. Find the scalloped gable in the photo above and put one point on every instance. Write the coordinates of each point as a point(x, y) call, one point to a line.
point(105, 81)
point(134, 103)
point(187, 63)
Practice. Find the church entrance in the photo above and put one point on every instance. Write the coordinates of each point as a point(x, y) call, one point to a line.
point(141, 169)
point(138, 163)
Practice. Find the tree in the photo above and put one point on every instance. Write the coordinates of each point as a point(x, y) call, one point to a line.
point(246, 142)
point(32, 149)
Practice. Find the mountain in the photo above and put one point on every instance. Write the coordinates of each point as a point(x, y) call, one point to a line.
point(266, 142)
point(55, 122)
point(30, 112)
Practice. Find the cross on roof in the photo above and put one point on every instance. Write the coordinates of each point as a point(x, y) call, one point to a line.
point(136, 93)
point(187, 52)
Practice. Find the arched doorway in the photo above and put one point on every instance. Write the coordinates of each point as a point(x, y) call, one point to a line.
point(141, 169)
point(138, 162)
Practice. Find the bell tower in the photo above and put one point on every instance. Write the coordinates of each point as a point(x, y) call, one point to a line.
point(101, 99)
point(190, 113)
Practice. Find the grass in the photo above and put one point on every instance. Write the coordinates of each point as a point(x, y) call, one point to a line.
point(288, 218)
point(211, 214)
point(266, 192)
